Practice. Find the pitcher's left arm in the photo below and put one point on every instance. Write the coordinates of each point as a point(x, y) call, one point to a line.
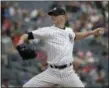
point(82, 35)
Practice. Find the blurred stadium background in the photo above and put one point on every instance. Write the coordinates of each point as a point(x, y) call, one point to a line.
point(90, 54)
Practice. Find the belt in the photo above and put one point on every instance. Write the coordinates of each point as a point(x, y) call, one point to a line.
point(61, 66)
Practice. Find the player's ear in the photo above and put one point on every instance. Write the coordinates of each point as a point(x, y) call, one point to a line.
point(66, 17)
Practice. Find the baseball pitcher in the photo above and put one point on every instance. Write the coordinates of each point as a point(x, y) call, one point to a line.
point(58, 44)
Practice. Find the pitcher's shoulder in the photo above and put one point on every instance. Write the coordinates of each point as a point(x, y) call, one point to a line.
point(44, 28)
point(69, 29)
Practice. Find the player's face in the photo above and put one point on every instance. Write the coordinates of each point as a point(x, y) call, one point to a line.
point(58, 19)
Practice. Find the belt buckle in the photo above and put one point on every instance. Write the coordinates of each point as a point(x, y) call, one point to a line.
point(53, 66)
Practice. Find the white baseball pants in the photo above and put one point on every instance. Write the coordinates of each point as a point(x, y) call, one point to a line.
point(64, 77)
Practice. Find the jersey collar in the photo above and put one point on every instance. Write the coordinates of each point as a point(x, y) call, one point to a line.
point(60, 28)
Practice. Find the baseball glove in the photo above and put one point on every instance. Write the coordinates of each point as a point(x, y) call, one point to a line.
point(26, 51)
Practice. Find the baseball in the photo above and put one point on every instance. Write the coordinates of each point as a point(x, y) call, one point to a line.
point(101, 32)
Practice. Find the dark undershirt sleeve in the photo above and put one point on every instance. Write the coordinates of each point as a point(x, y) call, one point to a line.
point(30, 35)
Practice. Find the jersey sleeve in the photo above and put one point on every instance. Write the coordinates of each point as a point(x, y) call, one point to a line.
point(40, 33)
point(73, 34)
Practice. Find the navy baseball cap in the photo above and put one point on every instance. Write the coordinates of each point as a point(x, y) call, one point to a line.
point(56, 11)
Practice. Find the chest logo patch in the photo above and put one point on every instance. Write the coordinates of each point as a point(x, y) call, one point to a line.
point(70, 37)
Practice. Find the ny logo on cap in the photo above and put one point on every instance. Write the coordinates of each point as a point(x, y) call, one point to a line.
point(54, 8)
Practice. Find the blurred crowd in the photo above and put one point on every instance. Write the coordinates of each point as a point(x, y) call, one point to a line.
point(90, 54)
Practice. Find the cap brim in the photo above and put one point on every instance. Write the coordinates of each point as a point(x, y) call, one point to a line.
point(51, 13)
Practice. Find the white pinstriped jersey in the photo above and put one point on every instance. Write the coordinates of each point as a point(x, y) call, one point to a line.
point(58, 44)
